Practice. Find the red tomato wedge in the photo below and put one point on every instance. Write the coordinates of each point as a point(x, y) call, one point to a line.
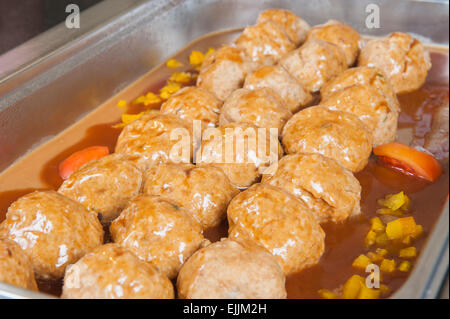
point(409, 160)
point(78, 159)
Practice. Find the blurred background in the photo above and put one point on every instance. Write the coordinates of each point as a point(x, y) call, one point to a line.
point(20, 20)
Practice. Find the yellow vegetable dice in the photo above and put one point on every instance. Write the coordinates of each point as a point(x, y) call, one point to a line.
point(382, 239)
point(328, 294)
point(361, 262)
point(128, 118)
point(400, 228)
point(388, 265)
point(374, 257)
point(409, 252)
point(196, 58)
point(180, 77)
point(405, 266)
point(369, 293)
point(377, 225)
point(352, 287)
point(381, 251)
point(395, 201)
point(370, 238)
point(122, 103)
point(173, 63)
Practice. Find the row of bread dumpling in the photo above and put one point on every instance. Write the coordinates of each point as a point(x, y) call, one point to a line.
point(154, 229)
point(276, 250)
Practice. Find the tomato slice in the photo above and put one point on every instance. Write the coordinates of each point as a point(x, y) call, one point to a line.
point(409, 160)
point(78, 159)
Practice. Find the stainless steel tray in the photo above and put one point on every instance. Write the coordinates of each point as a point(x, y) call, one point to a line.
point(64, 74)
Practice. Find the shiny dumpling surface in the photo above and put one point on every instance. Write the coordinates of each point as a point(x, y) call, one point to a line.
point(230, 269)
point(153, 139)
point(54, 230)
point(401, 57)
point(104, 186)
point(158, 232)
point(281, 223)
point(314, 63)
point(15, 266)
point(371, 106)
point(328, 189)
point(113, 272)
point(204, 191)
point(336, 134)
point(242, 151)
point(278, 79)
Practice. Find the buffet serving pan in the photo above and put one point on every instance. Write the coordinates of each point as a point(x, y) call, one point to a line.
point(50, 82)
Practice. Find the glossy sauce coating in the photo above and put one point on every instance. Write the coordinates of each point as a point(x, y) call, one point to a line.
point(148, 140)
point(113, 272)
point(294, 26)
point(328, 189)
point(253, 151)
point(361, 75)
point(194, 103)
point(53, 230)
point(341, 34)
point(371, 107)
point(314, 63)
point(265, 43)
point(230, 269)
point(401, 57)
point(278, 79)
point(104, 186)
point(15, 265)
point(335, 134)
point(280, 222)
point(203, 191)
point(158, 232)
point(260, 107)
point(224, 71)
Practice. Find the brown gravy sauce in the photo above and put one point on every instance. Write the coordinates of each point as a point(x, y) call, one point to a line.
point(39, 170)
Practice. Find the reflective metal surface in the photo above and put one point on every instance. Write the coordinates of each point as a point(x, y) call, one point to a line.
point(50, 82)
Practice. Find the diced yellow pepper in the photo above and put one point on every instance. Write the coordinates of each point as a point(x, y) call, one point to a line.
point(374, 257)
point(370, 238)
point(361, 262)
point(369, 293)
point(405, 266)
point(382, 239)
point(328, 294)
point(395, 201)
point(151, 98)
point(169, 89)
point(128, 118)
point(390, 212)
point(122, 104)
point(352, 287)
point(173, 63)
point(140, 100)
point(388, 265)
point(409, 252)
point(377, 225)
point(407, 240)
point(180, 77)
point(196, 58)
point(381, 251)
point(400, 228)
